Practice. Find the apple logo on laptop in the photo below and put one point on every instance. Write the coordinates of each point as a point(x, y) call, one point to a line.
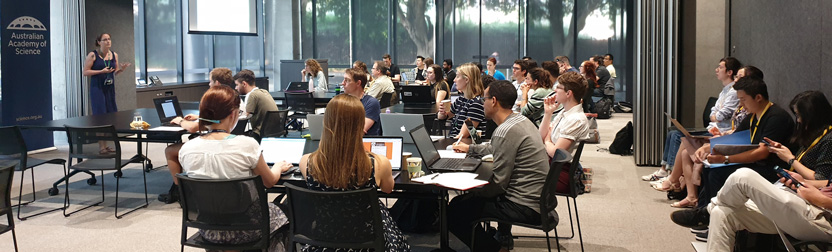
point(403, 128)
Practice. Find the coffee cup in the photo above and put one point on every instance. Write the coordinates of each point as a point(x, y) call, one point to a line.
point(446, 104)
point(405, 156)
point(414, 166)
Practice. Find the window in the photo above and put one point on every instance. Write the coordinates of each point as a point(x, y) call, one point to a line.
point(163, 42)
point(370, 34)
point(415, 26)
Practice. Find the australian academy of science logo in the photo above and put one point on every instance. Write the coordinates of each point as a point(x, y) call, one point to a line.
point(28, 37)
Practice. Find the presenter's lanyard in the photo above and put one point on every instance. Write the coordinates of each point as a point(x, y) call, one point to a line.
point(814, 143)
point(758, 121)
point(106, 62)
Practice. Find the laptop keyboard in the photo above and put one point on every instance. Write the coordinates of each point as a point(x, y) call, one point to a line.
point(449, 162)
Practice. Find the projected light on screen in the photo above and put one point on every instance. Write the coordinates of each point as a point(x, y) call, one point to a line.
point(222, 17)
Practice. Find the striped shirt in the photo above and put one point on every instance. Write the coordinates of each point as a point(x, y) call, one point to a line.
point(463, 109)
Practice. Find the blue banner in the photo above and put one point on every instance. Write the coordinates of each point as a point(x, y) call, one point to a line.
point(26, 97)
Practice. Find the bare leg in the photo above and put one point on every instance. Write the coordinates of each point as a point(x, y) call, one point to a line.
point(172, 156)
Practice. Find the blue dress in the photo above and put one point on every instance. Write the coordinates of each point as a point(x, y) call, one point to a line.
point(393, 238)
point(103, 94)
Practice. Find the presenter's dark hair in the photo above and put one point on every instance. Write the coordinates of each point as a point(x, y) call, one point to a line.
point(357, 75)
point(217, 103)
point(814, 113)
point(245, 75)
point(98, 39)
point(753, 72)
point(732, 64)
point(752, 87)
point(572, 81)
point(505, 93)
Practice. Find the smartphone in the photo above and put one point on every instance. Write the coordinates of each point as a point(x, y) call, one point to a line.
point(766, 142)
point(786, 175)
point(472, 131)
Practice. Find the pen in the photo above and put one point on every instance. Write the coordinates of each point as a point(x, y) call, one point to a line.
point(434, 176)
point(458, 140)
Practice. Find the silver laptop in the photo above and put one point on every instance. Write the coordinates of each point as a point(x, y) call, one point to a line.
point(316, 126)
point(390, 147)
point(432, 160)
point(400, 125)
point(276, 149)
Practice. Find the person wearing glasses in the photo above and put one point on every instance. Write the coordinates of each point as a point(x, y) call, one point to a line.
point(382, 84)
point(518, 72)
point(354, 80)
point(570, 124)
point(467, 106)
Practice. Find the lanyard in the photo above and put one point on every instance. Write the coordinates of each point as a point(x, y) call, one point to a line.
point(758, 121)
point(736, 114)
point(814, 143)
point(106, 62)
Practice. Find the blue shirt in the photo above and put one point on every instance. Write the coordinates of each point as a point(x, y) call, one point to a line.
point(497, 74)
point(372, 110)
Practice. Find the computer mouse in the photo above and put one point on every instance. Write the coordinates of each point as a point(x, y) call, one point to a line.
point(488, 158)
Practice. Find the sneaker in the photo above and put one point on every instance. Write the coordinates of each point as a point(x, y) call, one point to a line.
point(699, 230)
point(696, 217)
point(703, 237)
point(658, 183)
point(658, 174)
point(506, 240)
point(171, 197)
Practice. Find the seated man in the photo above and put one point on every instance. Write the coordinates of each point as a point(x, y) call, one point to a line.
point(354, 81)
point(258, 101)
point(218, 76)
point(520, 169)
point(766, 120)
point(382, 83)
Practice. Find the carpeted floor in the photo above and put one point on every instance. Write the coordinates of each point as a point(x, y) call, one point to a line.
point(622, 213)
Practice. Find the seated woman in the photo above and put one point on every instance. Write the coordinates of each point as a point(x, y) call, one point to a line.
point(469, 105)
point(539, 82)
point(569, 125)
point(750, 202)
point(342, 164)
point(220, 155)
point(491, 69)
point(587, 69)
point(441, 90)
point(315, 73)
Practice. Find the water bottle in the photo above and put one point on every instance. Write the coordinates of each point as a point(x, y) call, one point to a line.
point(387, 111)
point(338, 90)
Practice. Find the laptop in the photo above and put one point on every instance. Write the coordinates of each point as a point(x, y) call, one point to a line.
point(430, 156)
point(316, 126)
point(683, 129)
point(168, 108)
point(390, 147)
point(298, 86)
point(400, 125)
point(276, 149)
point(417, 94)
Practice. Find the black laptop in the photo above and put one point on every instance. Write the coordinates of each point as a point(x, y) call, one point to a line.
point(298, 87)
point(168, 108)
point(430, 156)
point(417, 94)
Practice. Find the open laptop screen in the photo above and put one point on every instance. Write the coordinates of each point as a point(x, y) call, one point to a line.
point(167, 108)
point(276, 149)
point(424, 145)
point(390, 147)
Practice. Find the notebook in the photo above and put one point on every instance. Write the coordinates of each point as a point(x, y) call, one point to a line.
point(400, 125)
point(298, 86)
point(430, 156)
point(390, 147)
point(316, 126)
point(276, 149)
point(168, 108)
point(416, 94)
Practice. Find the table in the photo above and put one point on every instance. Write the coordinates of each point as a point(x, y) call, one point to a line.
point(321, 99)
point(413, 108)
point(404, 188)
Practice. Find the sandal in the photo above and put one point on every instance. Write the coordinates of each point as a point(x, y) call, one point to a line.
point(664, 187)
point(106, 150)
point(685, 203)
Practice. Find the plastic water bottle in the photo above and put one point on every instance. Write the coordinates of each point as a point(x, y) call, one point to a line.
point(338, 90)
point(387, 111)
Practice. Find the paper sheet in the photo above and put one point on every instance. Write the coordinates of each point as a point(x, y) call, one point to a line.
point(166, 128)
point(450, 154)
point(454, 180)
point(436, 138)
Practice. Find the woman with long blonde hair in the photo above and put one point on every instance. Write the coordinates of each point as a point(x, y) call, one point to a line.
point(469, 105)
point(342, 164)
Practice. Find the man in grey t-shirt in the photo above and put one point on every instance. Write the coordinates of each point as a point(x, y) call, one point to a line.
point(520, 168)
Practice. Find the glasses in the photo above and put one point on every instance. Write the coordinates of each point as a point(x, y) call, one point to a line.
point(559, 87)
point(515, 68)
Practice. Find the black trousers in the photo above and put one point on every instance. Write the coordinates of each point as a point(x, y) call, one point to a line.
point(463, 210)
point(714, 178)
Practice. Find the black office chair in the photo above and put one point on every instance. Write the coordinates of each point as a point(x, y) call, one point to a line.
point(224, 204)
point(706, 114)
point(573, 193)
point(274, 125)
point(350, 219)
point(14, 149)
point(301, 103)
point(6, 176)
point(386, 100)
point(548, 202)
point(83, 145)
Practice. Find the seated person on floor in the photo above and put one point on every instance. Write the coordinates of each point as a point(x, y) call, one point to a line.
point(218, 154)
point(341, 164)
point(748, 201)
point(520, 169)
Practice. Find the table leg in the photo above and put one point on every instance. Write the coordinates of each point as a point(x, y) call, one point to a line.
point(443, 221)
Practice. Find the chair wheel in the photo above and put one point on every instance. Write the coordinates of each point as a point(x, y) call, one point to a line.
point(53, 191)
point(148, 167)
point(117, 174)
point(91, 181)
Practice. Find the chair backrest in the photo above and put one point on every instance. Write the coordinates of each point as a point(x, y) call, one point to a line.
point(224, 204)
point(300, 102)
point(548, 199)
point(6, 176)
point(573, 169)
point(350, 219)
point(706, 114)
point(274, 124)
point(83, 142)
point(13, 147)
point(386, 100)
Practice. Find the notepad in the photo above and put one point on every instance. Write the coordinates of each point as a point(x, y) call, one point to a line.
point(455, 180)
point(451, 154)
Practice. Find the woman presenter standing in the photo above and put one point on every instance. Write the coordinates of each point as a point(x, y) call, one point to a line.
point(102, 66)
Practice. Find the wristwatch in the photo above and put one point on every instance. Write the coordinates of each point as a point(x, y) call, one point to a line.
point(791, 162)
point(726, 160)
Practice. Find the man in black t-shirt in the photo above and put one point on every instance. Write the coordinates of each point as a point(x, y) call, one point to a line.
point(392, 69)
point(766, 120)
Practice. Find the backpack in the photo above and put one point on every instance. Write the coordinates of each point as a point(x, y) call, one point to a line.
point(623, 141)
point(623, 107)
point(604, 107)
point(416, 215)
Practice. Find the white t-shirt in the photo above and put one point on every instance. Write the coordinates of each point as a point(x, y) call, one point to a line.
point(570, 124)
point(233, 157)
